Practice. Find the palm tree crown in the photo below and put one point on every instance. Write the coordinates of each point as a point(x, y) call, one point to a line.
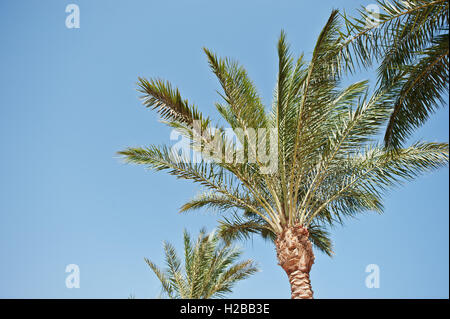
point(210, 268)
point(328, 163)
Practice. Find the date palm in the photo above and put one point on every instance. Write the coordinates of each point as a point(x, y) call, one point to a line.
point(409, 39)
point(328, 163)
point(210, 268)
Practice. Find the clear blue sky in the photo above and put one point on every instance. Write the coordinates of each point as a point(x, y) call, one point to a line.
point(68, 103)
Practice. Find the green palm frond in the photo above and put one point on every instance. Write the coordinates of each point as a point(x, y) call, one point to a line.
point(320, 238)
point(209, 175)
point(211, 268)
point(409, 40)
point(241, 228)
point(375, 170)
point(424, 88)
point(395, 34)
point(235, 273)
point(160, 95)
point(167, 287)
point(243, 103)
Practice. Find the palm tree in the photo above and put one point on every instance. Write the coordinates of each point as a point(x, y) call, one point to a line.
point(328, 164)
point(210, 268)
point(410, 41)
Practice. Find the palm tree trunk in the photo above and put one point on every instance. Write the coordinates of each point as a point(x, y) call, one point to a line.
point(295, 256)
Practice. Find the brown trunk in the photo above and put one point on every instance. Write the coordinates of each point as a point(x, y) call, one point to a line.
point(295, 256)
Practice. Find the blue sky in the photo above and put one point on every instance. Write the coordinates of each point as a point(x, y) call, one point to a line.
point(68, 103)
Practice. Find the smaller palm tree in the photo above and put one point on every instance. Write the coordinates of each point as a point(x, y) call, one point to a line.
point(210, 268)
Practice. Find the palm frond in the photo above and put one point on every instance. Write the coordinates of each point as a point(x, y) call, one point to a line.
point(320, 238)
point(166, 285)
point(160, 95)
point(242, 100)
point(409, 39)
point(240, 228)
point(375, 170)
point(211, 268)
point(423, 91)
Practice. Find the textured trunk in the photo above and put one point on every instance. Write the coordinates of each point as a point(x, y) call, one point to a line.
point(295, 256)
